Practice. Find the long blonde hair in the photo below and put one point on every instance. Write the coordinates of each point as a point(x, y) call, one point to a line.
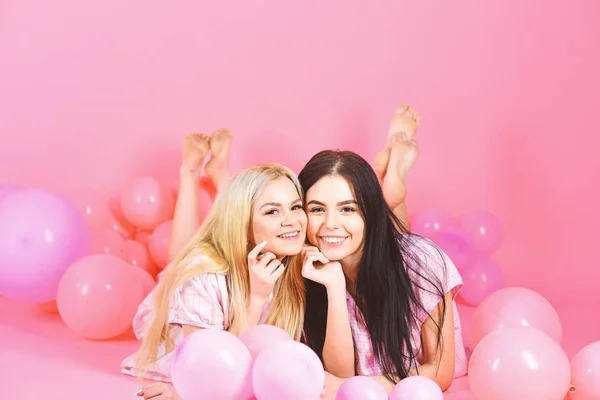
point(221, 246)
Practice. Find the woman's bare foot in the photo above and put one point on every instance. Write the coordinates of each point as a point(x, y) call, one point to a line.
point(403, 154)
point(195, 147)
point(217, 168)
point(405, 120)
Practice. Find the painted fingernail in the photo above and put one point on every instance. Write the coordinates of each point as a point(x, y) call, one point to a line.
point(262, 244)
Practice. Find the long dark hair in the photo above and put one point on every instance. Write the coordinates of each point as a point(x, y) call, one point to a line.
point(384, 291)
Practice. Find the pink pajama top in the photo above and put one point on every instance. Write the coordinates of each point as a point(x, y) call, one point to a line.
point(201, 302)
point(451, 282)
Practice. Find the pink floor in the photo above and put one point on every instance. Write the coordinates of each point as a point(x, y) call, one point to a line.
point(41, 358)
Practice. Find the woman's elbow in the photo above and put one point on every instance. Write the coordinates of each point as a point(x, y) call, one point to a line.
point(445, 377)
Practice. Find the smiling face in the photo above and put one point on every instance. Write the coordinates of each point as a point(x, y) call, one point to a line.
point(278, 219)
point(335, 224)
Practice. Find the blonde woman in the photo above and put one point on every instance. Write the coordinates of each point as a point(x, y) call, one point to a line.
point(240, 269)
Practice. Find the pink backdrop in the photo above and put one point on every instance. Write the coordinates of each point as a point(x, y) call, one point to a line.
point(96, 93)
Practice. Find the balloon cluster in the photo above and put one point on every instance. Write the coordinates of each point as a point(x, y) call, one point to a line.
point(469, 243)
point(72, 254)
point(515, 332)
point(264, 363)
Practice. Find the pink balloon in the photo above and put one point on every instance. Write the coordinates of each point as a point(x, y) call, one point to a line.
point(585, 373)
point(514, 307)
point(41, 234)
point(92, 205)
point(428, 222)
point(136, 254)
point(5, 190)
point(107, 241)
point(212, 364)
point(98, 296)
point(159, 243)
point(455, 244)
point(146, 203)
point(143, 237)
point(261, 337)
point(416, 388)
point(288, 370)
point(483, 230)
point(120, 225)
point(146, 280)
point(519, 363)
point(480, 279)
point(361, 388)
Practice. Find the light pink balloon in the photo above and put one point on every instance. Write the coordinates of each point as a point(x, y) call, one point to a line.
point(136, 254)
point(585, 373)
point(159, 243)
point(92, 205)
point(98, 296)
point(41, 234)
point(483, 230)
point(288, 370)
point(456, 246)
point(146, 279)
point(416, 388)
point(261, 337)
point(514, 307)
point(519, 363)
point(107, 241)
point(212, 364)
point(480, 279)
point(5, 190)
point(146, 203)
point(428, 222)
point(361, 388)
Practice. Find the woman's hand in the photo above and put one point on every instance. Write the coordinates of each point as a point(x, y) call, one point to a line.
point(328, 273)
point(158, 391)
point(265, 270)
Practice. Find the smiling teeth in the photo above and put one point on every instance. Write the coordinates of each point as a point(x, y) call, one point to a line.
point(289, 235)
point(333, 240)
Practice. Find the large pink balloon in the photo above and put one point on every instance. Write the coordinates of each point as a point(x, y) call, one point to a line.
point(288, 370)
point(159, 243)
point(98, 296)
point(514, 307)
point(136, 254)
point(585, 373)
point(92, 205)
point(483, 230)
point(261, 337)
point(361, 388)
point(416, 388)
point(455, 244)
point(481, 278)
point(5, 190)
point(146, 280)
point(519, 363)
point(146, 203)
point(428, 222)
point(41, 234)
point(212, 364)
